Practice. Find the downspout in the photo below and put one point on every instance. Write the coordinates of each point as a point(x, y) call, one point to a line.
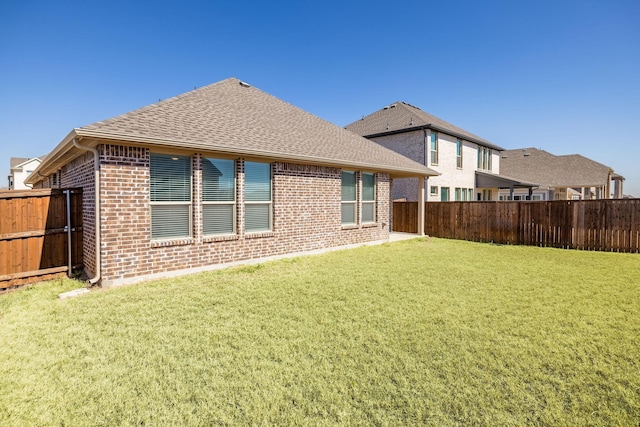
point(426, 142)
point(96, 174)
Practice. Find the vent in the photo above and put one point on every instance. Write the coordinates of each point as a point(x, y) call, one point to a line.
point(244, 84)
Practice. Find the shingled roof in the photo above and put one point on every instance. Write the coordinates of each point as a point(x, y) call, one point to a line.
point(550, 171)
point(15, 161)
point(402, 117)
point(235, 118)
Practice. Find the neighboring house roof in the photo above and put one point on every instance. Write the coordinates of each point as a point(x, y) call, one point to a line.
point(17, 161)
point(550, 171)
point(233, 117)
point(401, 117)
point(490, 180)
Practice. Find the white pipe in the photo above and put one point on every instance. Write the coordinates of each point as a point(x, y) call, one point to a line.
point(96, 172)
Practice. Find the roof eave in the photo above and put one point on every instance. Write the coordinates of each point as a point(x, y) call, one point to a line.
point(438, 129)
point(46, 166)
point(54, 160)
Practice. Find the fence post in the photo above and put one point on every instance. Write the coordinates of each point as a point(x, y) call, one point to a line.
point(69, 238)
point(421, 206)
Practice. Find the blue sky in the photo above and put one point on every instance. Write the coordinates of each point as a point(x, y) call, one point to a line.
point(558, 75)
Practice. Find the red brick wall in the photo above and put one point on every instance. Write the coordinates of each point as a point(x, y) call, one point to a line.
point(306, 216)
point(79, 173)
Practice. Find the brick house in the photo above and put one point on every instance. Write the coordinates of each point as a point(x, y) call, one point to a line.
point(221, 174)
point(468, 166)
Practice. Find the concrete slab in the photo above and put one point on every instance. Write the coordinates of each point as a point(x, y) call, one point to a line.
point(73, 293)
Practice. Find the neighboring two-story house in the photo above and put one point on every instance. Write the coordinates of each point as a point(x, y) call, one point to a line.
point(469, 166)
point(21, 168)
point(569, 177)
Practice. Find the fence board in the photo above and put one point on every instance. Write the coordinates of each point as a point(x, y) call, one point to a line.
point(602, 225)
point(33, 237)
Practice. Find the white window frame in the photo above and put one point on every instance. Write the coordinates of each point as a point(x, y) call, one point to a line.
point(268, 203)
point(484, 158)
point(232, 203)
point(353, 202)
point(188, 203)
point(369, 202)
point(459, 148)
point(446, 190)
point(433, 142)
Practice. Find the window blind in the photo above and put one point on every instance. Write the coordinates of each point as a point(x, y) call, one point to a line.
point(257, 193)
point(368, 197)
point(170, 195)
point(218, 219)
point(257, 182)
point(218, 180)
point(170, 178)
point(349, 192)
point(218, 196)
point(170, 221)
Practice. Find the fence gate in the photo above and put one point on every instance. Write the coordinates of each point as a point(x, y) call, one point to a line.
point(40, 235)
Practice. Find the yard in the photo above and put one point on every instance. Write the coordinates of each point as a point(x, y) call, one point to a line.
point(426, 331)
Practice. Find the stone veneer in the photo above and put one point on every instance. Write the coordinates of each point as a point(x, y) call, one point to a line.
point(306, 216)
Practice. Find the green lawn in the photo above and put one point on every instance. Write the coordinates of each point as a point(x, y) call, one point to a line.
point(428, 332)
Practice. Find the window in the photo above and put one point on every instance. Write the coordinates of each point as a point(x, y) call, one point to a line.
point(348, 204)
point(486, 195)
point(170, 187)
point(458, 194)
point(470, 195)
point(257, 196)
point(434, 190)
point(444, 194)
point(484, 158)
point(368, 197)
point(459, 154)
point(218, 196)
point(434, 148)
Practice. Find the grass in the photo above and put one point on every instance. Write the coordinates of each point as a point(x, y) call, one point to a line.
point(420, 332)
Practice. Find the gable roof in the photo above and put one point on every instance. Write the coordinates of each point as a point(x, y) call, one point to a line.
point(549, 170)
point(18, 162)
point(402, 117)
point(232, 117)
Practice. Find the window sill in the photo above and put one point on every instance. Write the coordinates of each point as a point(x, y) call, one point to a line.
point(350, 226)
point(220, 238)
point(259, 234)
point(369, 224)
point(172, 242)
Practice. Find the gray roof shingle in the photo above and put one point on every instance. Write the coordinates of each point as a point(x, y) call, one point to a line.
point(549, 170)
point(15, 161)
point(400, 116)
point(234, 117)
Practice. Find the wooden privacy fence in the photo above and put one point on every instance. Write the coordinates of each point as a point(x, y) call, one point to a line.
point(34, 234)
point(601, 225)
